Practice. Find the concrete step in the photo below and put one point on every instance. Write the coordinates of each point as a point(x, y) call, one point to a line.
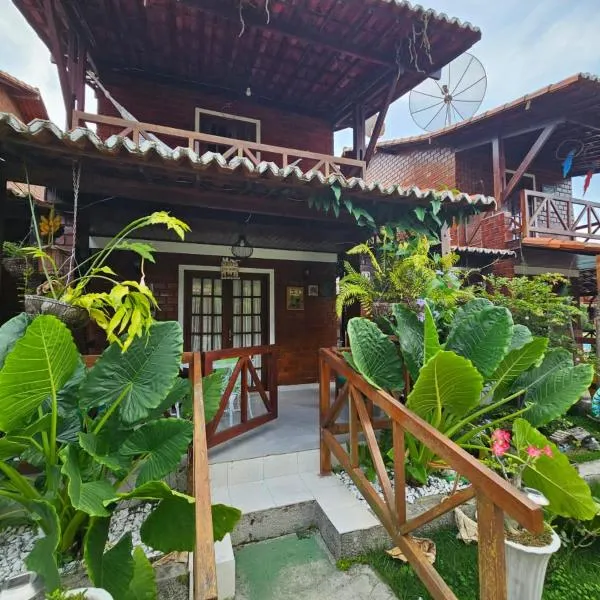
point(284, 494)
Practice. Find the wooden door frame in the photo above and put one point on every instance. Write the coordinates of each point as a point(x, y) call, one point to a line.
point(212, 269)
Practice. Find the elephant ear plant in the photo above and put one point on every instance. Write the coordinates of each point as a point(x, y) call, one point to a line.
point(90, 431)
point(486, 372)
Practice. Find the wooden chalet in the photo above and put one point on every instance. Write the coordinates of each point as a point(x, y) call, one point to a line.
point(516, 152)
point(223, 112)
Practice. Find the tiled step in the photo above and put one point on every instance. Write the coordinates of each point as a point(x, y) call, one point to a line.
point(280, 495)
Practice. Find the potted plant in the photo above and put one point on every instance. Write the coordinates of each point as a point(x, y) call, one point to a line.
point(89, 430)
point(14, 259)
point(126, 307)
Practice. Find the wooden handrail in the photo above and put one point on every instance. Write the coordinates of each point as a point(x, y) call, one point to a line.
point(324, 163)
point(204, 565)
point(494, 495)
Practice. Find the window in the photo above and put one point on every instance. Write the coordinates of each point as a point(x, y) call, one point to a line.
point(226, 125)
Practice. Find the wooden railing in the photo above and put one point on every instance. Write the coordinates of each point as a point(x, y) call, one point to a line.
point(228, 147)
point(244, 379)
point(546, 215)
point(204, 565)
point(494, 496)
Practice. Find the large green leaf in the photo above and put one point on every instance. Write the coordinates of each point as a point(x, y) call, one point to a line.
point(516, 362)
point(448, 383)
point(38, 366)
point(213, 386)
point(42, 559)
point(69, 414)
point(484, 338)
point(375, 355)
point(161, 444)
point(181, 392)
point(554, 360)
point(11, 332)
point(432, 340)
point(466, 312)
point(410, 333)
point(555, 477)
point(224, 520)
point(557, 392)
point(112, 570)
point(10, 448)
point(138, 380)
point(170, 527)
point(143, 582)
point(90, 496)
point(521, 336)
point(103, 448)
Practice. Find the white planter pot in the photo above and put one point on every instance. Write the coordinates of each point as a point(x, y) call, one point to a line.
point(526, 568)
point(91, 593)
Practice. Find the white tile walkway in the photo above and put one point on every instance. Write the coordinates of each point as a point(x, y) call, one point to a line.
point(275, 481)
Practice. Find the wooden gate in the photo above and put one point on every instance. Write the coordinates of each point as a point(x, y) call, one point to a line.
point(252, 376)
point(494, 495)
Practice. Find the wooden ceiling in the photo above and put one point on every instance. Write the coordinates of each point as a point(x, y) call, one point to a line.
point(314, 57)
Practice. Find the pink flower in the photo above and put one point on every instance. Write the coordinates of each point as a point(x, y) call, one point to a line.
point(534, 452)
point(500, 448)
point(547, 451)
point(501, 435)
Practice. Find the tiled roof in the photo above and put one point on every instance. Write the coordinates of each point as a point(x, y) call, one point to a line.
point(485, 251)
point(27, 98)
point(593, 81)
point(47, 134)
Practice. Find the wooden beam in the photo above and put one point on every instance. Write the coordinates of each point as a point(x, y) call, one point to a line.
point(492, 560)
point(529, 158)
point(597, 319)
point(584, 123)
point(359, 132)
point(57, 54)
point(255, 20)
point(499, 166)
point(381, 117)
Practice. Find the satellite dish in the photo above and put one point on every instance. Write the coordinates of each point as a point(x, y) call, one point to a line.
point(455, 97)
point(370, 125)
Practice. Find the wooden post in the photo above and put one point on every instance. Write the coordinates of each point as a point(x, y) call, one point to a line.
point(524, 215)
point(445, 239)
point(324, 400)
point(399, 474)
point(499, 164)
point(492, 559)
point(204, 569)
point(354, 429)
point(359, 133)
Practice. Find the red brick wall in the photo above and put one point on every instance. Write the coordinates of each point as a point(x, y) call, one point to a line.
point(176, 107)
point(298, 334)
point(7, 104)
point(425, 168)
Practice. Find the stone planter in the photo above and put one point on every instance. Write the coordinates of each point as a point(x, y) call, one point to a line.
point(526, 568)
point(73, 317)
point(15, 265)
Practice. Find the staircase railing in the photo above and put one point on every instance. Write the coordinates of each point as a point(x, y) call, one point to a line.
point(494, 496)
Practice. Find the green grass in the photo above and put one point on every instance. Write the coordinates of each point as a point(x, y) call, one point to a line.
point(570, 576)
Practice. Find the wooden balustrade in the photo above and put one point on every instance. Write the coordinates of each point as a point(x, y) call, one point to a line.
point(494, 496)
point(228, 147)
point(243, 380)
point(547, 215)
point(204, 565)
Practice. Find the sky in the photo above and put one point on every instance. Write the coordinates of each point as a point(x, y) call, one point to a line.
point(526, 45)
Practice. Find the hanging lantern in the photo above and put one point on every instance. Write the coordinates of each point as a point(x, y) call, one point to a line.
point(242, 249)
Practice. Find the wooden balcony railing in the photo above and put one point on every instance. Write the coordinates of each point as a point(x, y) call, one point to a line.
point(494, 496)
point(228, 147)
point(546, 215)
point(252, 370)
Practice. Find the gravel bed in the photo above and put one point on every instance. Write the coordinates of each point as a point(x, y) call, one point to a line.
point(435, 485)
point(17, 542)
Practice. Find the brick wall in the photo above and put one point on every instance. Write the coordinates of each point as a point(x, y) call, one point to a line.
point(425, 168)
point(298, 334)
point(161, 104)
point(7, 104)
